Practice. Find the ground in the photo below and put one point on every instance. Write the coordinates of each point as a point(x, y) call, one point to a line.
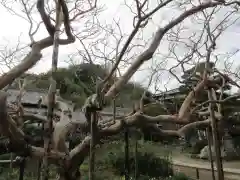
point(182, 162)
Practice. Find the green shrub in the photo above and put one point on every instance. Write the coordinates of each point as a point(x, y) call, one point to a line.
point(148, 164)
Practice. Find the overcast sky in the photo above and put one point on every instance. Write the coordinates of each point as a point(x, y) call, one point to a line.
point(13, 26)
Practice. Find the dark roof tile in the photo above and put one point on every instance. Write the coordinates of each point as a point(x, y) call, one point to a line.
point(29, 97)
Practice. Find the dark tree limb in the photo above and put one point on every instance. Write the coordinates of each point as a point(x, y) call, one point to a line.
point(66, 20)
point(46, 20)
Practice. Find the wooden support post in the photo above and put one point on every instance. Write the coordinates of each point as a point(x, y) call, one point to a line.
point(126, 138)
point(114, 109)
point(210, 152)
point(136, 158)
point(22, 167)
point(40, 160)
point(216, 140)
point(11, 163)
point(197, 173)
point(51, 94)
point(92, 146)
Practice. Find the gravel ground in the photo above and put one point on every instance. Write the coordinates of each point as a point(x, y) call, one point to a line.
point(189, 166)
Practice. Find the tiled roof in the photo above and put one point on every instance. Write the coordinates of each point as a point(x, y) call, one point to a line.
point(29, 97)
point(170, 92)
point(32, 97)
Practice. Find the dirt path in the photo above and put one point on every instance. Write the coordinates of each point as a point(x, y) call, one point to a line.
point(201, 169)
point(182, 162)
point(178, 156)
point(184, 159)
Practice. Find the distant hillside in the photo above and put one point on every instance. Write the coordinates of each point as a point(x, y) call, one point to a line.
point(76, 83)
